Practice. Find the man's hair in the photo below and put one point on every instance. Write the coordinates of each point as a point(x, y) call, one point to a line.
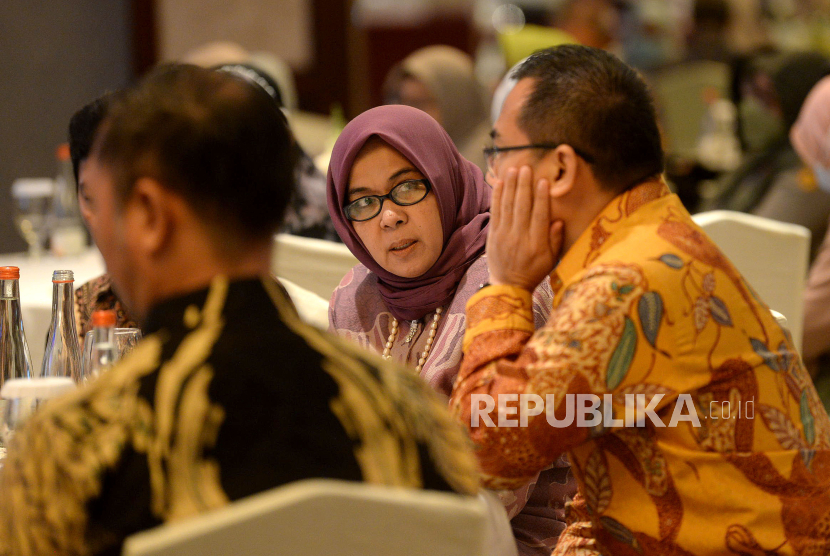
point(82, 127)
point(215, 139)
point(587, 98)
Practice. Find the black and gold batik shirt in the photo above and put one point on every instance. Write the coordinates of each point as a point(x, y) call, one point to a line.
point(227, 395)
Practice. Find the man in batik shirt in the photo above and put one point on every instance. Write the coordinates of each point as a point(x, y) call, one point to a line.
point(229, 393)
point(650, 323)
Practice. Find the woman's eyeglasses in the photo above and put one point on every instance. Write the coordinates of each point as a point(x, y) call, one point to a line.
point(404, 194)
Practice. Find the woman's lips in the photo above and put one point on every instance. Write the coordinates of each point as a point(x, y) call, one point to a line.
point(403, 246)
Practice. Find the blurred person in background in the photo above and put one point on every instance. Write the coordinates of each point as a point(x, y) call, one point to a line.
point(422, 257)
point(708, 35)
point(811, 138)
point(590, 22)
point(307, 215)
point(228, 394)
point(441, 81)
point(97, 294)
point(772, 181)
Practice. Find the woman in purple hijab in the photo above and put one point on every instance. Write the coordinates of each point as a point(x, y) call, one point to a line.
point(415, 214)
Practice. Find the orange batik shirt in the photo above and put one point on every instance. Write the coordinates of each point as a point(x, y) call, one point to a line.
point(645, 304)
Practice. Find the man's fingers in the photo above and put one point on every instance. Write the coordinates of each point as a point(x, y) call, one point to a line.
point(508, 198)
point(495, 202)
point(523, 204)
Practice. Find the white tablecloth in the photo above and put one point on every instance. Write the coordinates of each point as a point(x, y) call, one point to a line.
point(36, 290)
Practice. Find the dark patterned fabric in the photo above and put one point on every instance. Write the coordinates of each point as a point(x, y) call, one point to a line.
point(97, 295)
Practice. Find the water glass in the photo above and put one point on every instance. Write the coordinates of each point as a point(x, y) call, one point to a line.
point(33, 206)
point(125, 340)
point(21, 397)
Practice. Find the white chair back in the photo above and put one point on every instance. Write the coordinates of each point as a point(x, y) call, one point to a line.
point(314, 264)
point(321, 517)
point(773, 257)
point(312, 308)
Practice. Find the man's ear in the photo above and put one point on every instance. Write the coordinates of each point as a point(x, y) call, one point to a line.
point(564, 166)
point(150, 213)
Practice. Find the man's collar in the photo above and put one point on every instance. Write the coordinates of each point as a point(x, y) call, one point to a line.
point(186, 310)
point(615, 215)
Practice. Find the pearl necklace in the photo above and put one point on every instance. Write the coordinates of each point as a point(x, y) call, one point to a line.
point(387, 350)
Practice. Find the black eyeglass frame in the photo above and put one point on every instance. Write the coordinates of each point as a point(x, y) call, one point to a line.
point(389, 196)
point(491, 152)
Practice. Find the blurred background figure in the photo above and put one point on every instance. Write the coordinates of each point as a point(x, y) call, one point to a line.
point(768, 90)
point(707, 37)
point(307, 215)
point(96, 294)
point(441, 81)
point(810, 136)
point(590, 22)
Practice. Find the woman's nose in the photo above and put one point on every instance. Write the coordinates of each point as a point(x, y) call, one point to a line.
point(392, 216)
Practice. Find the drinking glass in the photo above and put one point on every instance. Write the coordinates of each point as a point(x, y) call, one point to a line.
point(125, 340)
point(20, 398)
point(33, 204)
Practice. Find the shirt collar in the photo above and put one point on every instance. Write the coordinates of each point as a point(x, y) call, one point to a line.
point(184, 311)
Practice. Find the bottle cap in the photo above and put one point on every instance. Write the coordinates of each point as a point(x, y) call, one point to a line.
point(43, 388)
point(103, 319)
point(60, 276)
point(9, 273)
point(62, 152)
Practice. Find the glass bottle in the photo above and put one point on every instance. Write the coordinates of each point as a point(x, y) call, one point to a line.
point(62, 356)
point(103, 353)
point(68, 236)
point(15, 361)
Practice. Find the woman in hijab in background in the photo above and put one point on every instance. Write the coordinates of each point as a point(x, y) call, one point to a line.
point(415, 214)
point(441, 81)
point(772, 181)
point(811, 138)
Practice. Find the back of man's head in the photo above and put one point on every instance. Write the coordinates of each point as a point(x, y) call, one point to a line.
point(589, 99)
point(219, 142)
point(82, 127)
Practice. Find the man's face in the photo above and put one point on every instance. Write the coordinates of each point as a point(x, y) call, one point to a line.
point(104, 217)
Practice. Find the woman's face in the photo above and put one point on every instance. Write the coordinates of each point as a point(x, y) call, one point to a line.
point(404, 240)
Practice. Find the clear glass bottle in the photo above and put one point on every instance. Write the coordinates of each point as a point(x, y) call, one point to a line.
point(15, 361)
point(67, 234)
point(62, 356)
point(103, 353)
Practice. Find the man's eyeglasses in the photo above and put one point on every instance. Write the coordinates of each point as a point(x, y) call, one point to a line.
point(404, 194)
point(491, 153)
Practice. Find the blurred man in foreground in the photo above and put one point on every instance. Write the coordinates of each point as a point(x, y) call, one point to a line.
point(688, 418)
point(229, 393)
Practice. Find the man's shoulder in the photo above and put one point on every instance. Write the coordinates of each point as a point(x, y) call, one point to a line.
point(379, 400)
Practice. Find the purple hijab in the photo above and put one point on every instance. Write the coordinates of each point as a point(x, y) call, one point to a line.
point(458, 184)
